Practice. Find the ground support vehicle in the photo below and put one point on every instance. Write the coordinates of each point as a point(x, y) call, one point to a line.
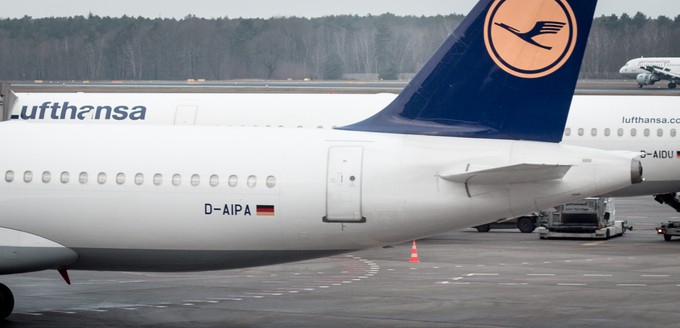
point(589, 218)
point(668, 230)
point(525, 224)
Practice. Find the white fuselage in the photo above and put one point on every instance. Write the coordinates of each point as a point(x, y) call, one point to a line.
point(162, 197)
point(646, 123)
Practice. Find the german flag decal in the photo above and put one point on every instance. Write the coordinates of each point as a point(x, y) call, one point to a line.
point(265, 210)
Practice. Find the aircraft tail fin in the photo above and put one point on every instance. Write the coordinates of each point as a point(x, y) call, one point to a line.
point(507, 72)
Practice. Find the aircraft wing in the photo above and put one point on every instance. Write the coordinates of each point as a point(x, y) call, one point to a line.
point(665, 73)
point(519, 173)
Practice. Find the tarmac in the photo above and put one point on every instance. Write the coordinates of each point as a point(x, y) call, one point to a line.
point(583, 87)
point(503, 278)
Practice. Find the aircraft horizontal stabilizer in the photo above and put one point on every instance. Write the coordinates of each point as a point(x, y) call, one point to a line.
point(519, 173)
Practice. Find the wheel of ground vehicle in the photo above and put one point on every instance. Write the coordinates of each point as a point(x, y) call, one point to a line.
point(526, 225)
point(6, 301)
point(607, 234)
point(483, 228)
point(667, 237)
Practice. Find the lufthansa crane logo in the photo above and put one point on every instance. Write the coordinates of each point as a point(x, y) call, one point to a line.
point(530, 38)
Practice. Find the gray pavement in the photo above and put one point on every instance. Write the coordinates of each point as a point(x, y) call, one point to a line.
point(503, 278)
point(583, 87)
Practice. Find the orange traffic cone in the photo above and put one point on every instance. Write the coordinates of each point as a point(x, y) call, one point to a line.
point(414, 253)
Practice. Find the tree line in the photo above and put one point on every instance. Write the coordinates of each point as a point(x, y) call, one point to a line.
point(332, 47)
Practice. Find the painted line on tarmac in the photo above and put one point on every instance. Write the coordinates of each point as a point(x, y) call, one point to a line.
point(481, 274)
point(541, 274)
point(595, 243)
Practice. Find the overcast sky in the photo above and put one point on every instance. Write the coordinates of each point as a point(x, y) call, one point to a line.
point(300, 8)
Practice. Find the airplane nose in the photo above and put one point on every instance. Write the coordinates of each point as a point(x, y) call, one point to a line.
point(623, 69)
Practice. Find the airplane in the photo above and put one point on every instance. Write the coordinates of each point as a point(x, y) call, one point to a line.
point(644, 124)
point(648, 71)
point(446, 153)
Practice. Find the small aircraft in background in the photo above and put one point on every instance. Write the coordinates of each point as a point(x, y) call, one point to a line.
point(648, 71)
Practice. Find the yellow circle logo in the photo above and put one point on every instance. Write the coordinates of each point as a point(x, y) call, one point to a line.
point(530, 38)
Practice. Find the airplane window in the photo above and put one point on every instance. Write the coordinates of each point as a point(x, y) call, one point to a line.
point(620, 132)
point(120, 178)
point(607, 132)
point(659, 133)
point(9, 176)
point(82, 177)
point(646, 132)
point(157, 179)
point(567, 132)
point(28, 176)
point(633, 132)
point(580, 132)
point(233, 181)
point(252, 181)
point(593, 132)
point(176, 180)
point(214, 180)
point(271, 181)
point(46, 177)
point(139, 179)
point(65, 177)
point(673, 132)
point(101, 178)
point(195, 180)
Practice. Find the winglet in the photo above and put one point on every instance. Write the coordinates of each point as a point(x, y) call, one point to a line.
point(487, 82)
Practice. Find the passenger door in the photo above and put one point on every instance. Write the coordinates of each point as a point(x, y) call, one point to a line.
point(343, 185)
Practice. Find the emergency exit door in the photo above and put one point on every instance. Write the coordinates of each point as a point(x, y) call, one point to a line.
point(343, 185)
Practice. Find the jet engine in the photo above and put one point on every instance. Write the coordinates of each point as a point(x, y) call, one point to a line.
point(647, 79)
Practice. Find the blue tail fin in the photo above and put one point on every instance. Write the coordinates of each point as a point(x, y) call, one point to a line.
point(507, 72)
